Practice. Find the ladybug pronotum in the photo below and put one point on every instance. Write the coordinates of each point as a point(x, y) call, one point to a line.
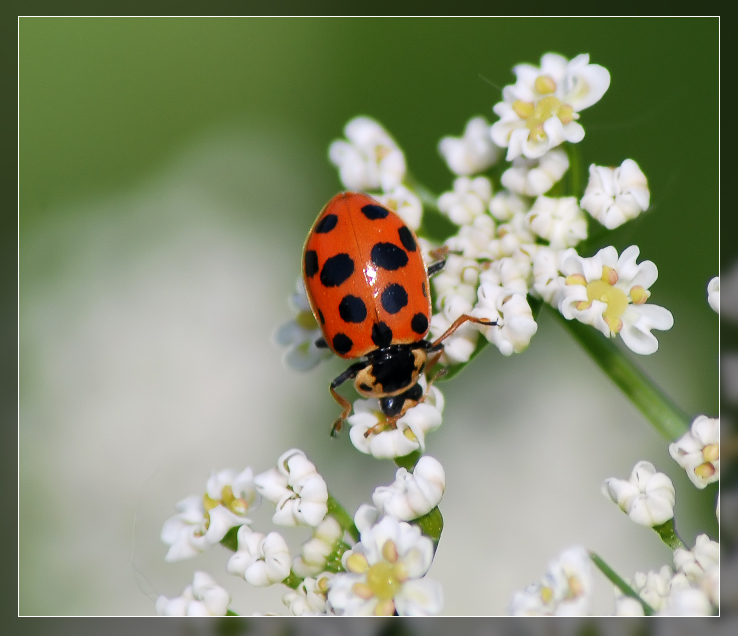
point(368, 288)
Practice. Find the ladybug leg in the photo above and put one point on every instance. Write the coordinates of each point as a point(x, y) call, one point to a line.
point(437, 343)
point(348, 374)
point(436, 267)
point(320, 343)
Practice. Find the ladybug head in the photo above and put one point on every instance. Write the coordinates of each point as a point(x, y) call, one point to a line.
point(391, 370)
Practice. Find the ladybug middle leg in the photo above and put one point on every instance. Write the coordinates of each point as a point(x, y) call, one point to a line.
point(348, 374)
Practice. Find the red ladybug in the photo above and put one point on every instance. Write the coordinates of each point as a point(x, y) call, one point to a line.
point(368, 288)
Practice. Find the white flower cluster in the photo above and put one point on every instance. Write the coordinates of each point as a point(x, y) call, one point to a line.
point(692, 588)
point(565, 590)
point(520, 240)
point(371, 161)
point(698, 451)
point(382, 573)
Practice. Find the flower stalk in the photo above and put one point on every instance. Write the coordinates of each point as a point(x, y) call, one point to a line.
point(667, 532)
point(618, 582)
point(337, 511)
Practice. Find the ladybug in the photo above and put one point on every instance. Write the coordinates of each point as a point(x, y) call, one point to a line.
point(368, 287)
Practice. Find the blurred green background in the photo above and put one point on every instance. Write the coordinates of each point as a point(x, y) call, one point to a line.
point(169, 171)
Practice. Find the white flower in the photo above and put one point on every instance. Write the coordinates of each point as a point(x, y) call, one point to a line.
point(698, 561)
point(473, 241)
point(565, 590)
point(456, 293)
point(512, 232)
point(610, 293)
point(415, 494)
point(299, 335)
point(626, 605)
point(515, 324)
point(456, 285)
point(299, 492)
point(370, 159)
point(473, 153)
point(203, 598)
point(505, 206)
point(540, 110)
point(261, 560)
point(309, 598)
point(698, 451)
point(653, 587)
point(385, 574)
point(616, 195)
point(469, 199)
point(202, 522)
point(688, 601)
point(408, 434)
point(547, 283)
point(648, 497)
point(713, 293)
point(560, 221)
point(315, 551)
point(406, 203)
point(533, 177)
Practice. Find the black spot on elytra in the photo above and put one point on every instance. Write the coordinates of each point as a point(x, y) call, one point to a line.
point(321, 317)
point(326, 224)
point(352, 309)
point(394, 298)
point(406, 238)
point(336, 270)
point(381, 335)
point(374, 212)
point(388, 256)
point(342, 343)
point(419, 323)
point(311, 263)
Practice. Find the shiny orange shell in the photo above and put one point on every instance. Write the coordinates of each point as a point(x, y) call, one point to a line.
point(365, 277)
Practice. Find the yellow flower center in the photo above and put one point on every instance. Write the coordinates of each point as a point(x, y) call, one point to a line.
point(228, 500)
point(705, 471)
point(604, 290)
point(385, 579)
point(711, 452)
point(546, 594)
point(537, 113)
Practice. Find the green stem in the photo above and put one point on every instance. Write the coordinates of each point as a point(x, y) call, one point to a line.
point(293, 581)
point(337, 511)
point(667, 417)
point(408, 461)
point(618, 582)
point(667, 532)
point(575, 170)
point(431, 525)
point(427, 198)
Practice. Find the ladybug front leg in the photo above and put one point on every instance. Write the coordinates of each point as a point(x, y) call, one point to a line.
point(348, 374)
point(437, 343)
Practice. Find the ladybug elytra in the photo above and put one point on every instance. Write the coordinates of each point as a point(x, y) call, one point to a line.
point(368, 288)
